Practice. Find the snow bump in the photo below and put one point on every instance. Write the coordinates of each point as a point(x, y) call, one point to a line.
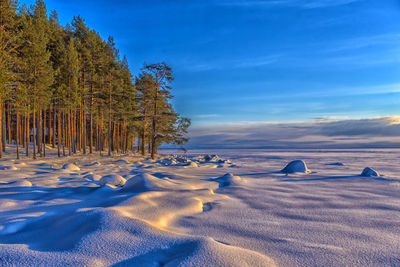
point(112, 179)
point(369, 172)
point(70, 167)
point(296, 166)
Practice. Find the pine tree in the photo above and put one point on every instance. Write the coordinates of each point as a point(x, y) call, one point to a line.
point(67, 82)
point(111, 84)
point(160, 93)
point(38, 71)
point(9, 38)
point(145, 84)
point(81, 36)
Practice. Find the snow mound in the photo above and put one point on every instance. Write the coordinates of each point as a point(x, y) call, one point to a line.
point(22, 183)
point(2, 167)
point(369, 172)
point(42, 164)
point(192, 164)
point(216, 159)
point(70, 167)
point(147, 182)
point(182, 159)
point(93, 164)
point(296, 166)
point(212, 158)
point(168, 161)
point(141, 182)
point(174, 160)
point(112, 179)
point(93, 177)
point(210, 165)
point(121, 161)
point(228, 179)
point(335, 164)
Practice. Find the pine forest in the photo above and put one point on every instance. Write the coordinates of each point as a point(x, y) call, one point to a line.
point(66, 87)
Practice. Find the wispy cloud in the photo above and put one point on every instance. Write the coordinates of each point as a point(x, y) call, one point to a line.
point(232, 64)
point(352, 53)
point(373, 132)
point(356, 43)
point(306, 4)
point(207, 116)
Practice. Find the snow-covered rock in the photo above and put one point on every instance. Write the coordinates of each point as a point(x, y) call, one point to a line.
point(369, 172)
point(182, 159)
point(70, 167)
point(2, 167)
point(216, 158)
point(92, 177)
point(199, 158)
point(335, 164)
point(112, 179)
point(228, 179)
point(212, 158)
point(168, 161)
point(22, 183)
point(296, 166)
point(192, 164)
point(121, 161)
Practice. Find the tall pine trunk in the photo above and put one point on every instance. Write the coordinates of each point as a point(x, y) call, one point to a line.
point(17, 137)
point(1, 129)
point(91, 122)
point(44, 133)
point(3, 139)
point(39, 130)
point(50, 131)
point(54, 128)
point(109, 122)
point(9, 124)
point(101, 132)
point(143, 149)
point(27, 132)
point(64, 136)
point(59, 136)
point(34, 129)
point(69, 132)
point(84, 131)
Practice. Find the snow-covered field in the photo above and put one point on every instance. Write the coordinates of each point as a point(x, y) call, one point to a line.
point(190, 212)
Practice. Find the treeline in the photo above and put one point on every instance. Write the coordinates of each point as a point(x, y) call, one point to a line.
point(66, 87)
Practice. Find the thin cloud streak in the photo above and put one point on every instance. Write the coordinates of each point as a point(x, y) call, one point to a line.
point(231, 64)
point(310, 4)
point(356, 53)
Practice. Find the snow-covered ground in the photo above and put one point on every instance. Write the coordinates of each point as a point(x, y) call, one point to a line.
point(236, 210)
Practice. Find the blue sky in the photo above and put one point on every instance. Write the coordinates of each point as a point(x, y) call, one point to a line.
point(256, 61)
